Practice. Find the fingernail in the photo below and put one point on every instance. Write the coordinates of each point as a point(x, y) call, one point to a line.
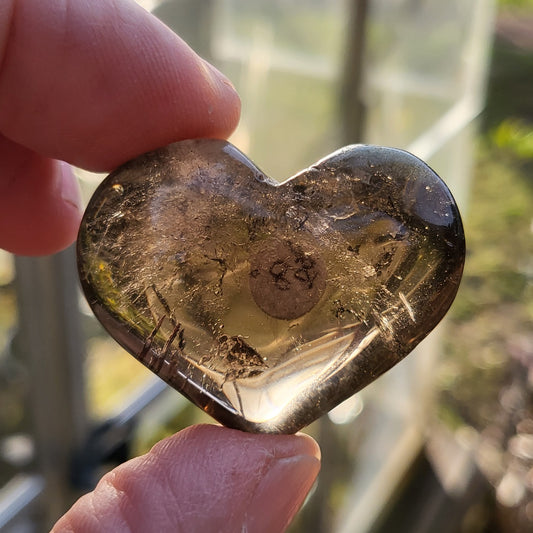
point(281, 493)
point(216, 77)
point(70, 190)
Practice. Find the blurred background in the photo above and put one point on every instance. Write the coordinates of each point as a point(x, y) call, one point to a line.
point(441, 443)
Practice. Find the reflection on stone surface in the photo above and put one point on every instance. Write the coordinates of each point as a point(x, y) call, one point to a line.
point(268, 304)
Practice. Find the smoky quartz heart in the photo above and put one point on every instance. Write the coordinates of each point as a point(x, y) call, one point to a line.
point(268, 304)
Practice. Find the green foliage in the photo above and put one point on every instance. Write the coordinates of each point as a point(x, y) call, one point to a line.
point(494, 306)
point(516, 3)
point(498, 228)
point(516, 136)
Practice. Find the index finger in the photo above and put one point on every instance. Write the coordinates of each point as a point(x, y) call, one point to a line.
point(96, 83)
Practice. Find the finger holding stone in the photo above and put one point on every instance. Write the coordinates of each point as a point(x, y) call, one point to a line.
point(97, 83)
point(40, 204)
point(205, 478)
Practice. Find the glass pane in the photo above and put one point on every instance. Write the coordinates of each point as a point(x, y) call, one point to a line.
point(284, 59)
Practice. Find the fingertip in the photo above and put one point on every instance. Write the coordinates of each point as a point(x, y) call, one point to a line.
point(225, 120)
point(40, 204)
point(70, 189)
point(281, 493)
point(203, 437)
point(309, 445)
point(264, 478)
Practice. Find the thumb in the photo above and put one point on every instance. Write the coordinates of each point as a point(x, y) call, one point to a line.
point(203, 479)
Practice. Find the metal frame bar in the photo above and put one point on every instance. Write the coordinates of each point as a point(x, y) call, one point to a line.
point(52, 345)
point(17, 496)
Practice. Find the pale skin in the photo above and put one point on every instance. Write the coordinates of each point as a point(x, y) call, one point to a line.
point(93, 84)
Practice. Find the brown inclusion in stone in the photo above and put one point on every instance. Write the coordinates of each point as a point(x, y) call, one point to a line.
point(268, 304)
point(286, 281)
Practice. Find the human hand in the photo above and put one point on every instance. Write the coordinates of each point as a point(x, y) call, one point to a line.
point(204, 479)
point(95, 84)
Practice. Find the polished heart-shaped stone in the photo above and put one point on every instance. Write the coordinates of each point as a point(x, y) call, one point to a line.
point(268, 304)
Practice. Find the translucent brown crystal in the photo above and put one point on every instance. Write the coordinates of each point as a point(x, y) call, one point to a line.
point(268, 304)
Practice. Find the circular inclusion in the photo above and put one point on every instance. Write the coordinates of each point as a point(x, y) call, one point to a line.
point(286, 280)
